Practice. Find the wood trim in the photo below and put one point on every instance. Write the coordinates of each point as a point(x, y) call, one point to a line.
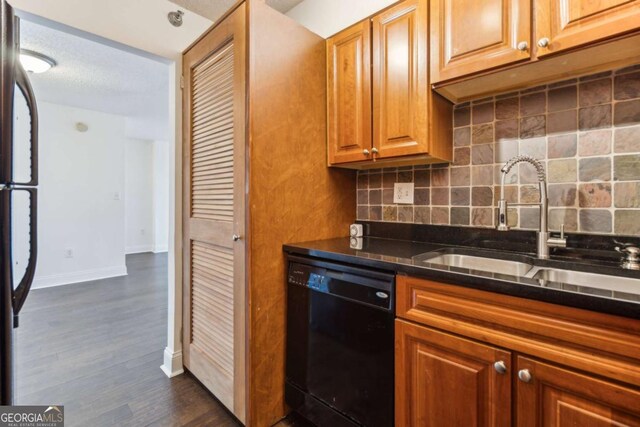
point(233, 8)
point(593, 342)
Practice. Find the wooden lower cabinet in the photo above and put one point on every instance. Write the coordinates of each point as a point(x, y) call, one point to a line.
point(557, 397)
point(443, 380)
point(466, 357)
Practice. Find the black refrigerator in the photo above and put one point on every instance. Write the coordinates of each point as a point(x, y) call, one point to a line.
point(16, 187)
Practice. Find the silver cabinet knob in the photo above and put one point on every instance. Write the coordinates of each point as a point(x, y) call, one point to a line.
point(236, 237)
point(524, 375)
point(523, 46)
point(500, 367)
point(543, 42)
point(374, 150)
point(366, 152)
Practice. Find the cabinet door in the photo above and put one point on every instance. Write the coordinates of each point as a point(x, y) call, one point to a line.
point(468, 36)
point(349, 94)
point(443, 380)
point(556, 397)
point(564, 24)
point(400, 80)
point(213, 210)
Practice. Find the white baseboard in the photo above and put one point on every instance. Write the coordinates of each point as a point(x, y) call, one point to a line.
point(78, 276)
point(160, 248)
point(172, 363)
point(138, 249)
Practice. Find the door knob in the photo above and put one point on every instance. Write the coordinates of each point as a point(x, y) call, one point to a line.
point(236, 237)
point(523, 46)
point(500, 367)
point(366, 152)
point(374, 150)
point(524, 375)
point(543, 42)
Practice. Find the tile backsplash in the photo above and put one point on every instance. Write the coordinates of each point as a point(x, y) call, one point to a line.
point(586, 132)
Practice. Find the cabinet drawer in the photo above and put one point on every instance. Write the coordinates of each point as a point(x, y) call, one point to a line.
point(593, 342)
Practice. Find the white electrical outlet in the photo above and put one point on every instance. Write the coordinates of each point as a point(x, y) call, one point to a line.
point(116, 196)
point(403, 193)
point(142, 231)
point(68, 253)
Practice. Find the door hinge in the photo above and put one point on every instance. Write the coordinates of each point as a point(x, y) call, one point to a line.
point(181, 82)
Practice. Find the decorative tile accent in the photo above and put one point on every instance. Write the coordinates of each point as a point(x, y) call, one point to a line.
point(561, 146)
point(627, 168)
point(564, 98)
point(626, 140)
point(627, 113)
point(586, 132)
point(595, 143)
point(595, 92)
point(595, 195)
point(595, 220)
point(595, 169)
point(507, 108)
point(628, 222)
point(627, 86)
point(627, 195)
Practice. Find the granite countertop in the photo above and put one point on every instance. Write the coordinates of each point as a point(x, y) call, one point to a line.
point(404, 257)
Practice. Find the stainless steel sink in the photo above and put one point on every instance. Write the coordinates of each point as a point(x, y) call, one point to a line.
point(477, 263)
point(591, 280)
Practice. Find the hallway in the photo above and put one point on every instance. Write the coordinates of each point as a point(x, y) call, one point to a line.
point(96, 348)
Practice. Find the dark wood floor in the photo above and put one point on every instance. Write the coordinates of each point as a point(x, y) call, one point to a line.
point(96, 348)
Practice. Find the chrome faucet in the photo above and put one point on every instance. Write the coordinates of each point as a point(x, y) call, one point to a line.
point(545, 240)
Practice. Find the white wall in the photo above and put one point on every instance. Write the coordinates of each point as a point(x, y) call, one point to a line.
point(139, 195)
point(132, 24)
point(81, 204)
point(161, 184)
point(327, 17)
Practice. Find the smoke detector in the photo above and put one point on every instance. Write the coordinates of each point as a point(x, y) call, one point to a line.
point(175, 18)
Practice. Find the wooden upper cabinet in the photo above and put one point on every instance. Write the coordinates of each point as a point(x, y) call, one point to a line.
point(557, 397)
point(443, 380)
point(468, 36)
point(400, 80)
point(349, 94)
point(381, 109)
point(565, 24)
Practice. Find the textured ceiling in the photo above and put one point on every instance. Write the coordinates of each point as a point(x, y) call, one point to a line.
point(98, 77)
point(214, 9)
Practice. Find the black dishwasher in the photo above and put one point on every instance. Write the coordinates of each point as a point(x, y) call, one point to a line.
point(340, 344)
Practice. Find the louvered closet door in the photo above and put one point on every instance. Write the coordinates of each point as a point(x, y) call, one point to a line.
point(213, 210)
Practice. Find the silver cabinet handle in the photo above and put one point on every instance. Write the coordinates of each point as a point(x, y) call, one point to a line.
point(236, 237)
point(524, 375)
point(523, 46)
point(366, 152)
point(500, 367)
point(543, 42)
point(374, 150)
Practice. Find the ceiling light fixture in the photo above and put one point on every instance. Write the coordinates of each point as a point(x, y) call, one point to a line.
point(175, 18)
point(35, 62)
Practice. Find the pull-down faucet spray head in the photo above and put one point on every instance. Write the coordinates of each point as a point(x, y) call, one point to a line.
point(503, 217)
